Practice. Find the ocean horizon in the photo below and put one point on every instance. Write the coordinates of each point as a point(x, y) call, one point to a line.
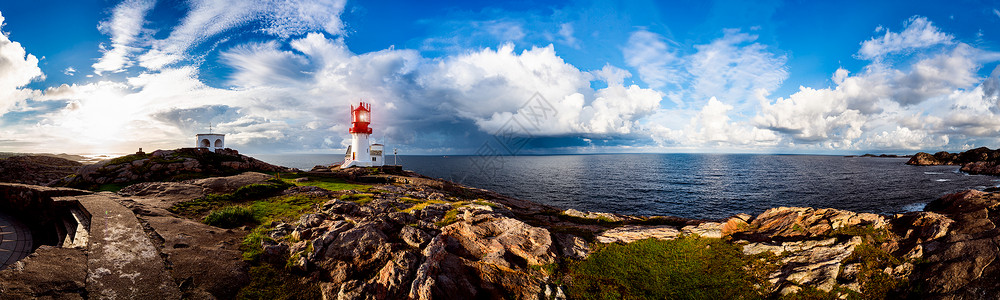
point(704, 186)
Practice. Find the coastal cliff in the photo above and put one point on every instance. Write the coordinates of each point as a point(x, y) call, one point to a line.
point(384, 233)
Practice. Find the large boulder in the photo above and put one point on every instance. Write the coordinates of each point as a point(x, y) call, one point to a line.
point(801, 222)
point(958, 245)
point(483, 256)
point(815, 263)
point(631, 233)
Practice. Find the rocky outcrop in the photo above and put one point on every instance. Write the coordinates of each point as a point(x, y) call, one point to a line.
point(801, 222)
point(956, 239)
point(165, 165)
point(48, 273)
point(35, 169)
point(976, 161)
point(164, 194)
point(393, 249)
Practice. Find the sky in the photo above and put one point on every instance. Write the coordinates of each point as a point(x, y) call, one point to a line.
point(502, 77)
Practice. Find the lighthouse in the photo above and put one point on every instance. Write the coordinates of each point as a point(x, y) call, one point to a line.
point(361, 153)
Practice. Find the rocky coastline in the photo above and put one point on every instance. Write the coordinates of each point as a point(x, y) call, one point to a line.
point(251, 230)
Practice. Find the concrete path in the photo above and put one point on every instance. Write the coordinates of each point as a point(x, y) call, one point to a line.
point(122, 262)
point(15, 241)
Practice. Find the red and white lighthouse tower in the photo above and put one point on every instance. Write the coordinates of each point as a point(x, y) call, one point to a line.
point(362, 153)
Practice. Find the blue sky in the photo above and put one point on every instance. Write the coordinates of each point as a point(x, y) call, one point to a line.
point(446, 77)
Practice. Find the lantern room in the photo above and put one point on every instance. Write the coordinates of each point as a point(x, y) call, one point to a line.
point(360, 118)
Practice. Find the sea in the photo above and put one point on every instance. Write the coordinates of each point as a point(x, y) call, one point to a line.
point(701, 186)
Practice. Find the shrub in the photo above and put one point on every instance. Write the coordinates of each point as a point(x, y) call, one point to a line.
point(230, 217)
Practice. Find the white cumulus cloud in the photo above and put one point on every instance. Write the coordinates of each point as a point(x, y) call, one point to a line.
point(918, 33)
point(17, 69)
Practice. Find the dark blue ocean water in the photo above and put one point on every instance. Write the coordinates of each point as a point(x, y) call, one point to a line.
point(710, 186)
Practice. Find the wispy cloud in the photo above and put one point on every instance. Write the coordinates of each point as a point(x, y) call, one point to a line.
point(208, 19)
point(125, 26)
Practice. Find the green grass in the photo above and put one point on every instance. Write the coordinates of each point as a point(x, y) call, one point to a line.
point(127, 159)
point(197, 207)
point(450, 217)
point(231, 217)
point(284, 208)
point(251, 245)
point(875, 283)
point(110, 187)
point(867, 231)
point(684, 268)
point(486, 203)
point(328, 183)
point(418, 204)
point(269, 282)
point(360, 199)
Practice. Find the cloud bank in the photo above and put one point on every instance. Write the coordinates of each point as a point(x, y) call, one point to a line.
point(289, 86)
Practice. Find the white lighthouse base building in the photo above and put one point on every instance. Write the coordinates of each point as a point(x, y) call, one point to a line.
point(211, 141)
point(361, 154)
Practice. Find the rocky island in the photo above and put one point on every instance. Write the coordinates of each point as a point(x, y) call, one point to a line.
point(976, 161)
point(203, 225)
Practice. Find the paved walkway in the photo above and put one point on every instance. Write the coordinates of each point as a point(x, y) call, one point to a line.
point(122, 263)
point(15, 241)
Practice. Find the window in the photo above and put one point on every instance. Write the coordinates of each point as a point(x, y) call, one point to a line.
point(374, 158)
point(205, 143)
point(218, 143)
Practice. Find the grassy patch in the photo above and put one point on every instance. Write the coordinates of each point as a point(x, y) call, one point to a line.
point(875, 283)
point(868, 232)
point(328, 183)
point(251, 245)
point(197, 207)
point(486, 203)
point(450, 217)
point(684, 268)
point(812, 293)
point(230, 217)
point(285, 208)
point(110, 187)
point(418, 204)
point(127, 159)
point(360, 199)
point(268, 282)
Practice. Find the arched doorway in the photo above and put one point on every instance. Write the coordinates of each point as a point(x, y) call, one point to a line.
point(218, 143)
point(205, 143)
